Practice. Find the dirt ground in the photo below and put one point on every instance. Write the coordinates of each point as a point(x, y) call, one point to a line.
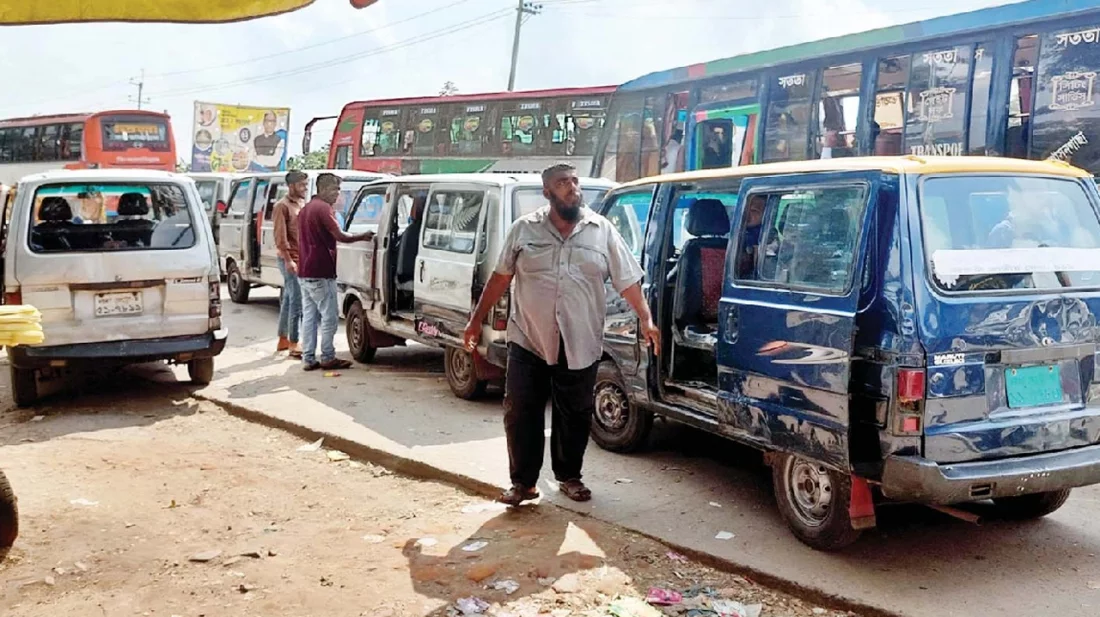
point(154, 503)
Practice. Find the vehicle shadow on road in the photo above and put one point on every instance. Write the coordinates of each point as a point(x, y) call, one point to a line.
point(513, 556)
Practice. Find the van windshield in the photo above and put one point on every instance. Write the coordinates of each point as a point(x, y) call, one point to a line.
point(69, 218)
point(526, 200)
point(989, 233)
point(208, 192)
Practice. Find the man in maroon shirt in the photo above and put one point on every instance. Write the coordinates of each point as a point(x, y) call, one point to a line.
point(318, 233)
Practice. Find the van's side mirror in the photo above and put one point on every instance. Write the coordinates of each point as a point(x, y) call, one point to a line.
point(221, 207)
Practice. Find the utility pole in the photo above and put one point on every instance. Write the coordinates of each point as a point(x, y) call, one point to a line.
point(522, 10)
point(140, 83)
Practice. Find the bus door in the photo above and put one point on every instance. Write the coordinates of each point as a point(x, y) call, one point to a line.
point(722, 136)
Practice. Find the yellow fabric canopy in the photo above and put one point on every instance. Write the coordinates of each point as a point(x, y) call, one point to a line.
point(23, 12)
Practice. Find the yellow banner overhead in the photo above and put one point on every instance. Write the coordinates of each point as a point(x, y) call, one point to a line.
point(23, 12)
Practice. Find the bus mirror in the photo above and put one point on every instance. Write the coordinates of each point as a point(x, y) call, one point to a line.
point(221, 207)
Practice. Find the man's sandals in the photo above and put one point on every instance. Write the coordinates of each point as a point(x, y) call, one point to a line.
point(573, 489)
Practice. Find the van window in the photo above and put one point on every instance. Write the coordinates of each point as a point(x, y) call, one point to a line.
point(238, 203)
point(208, 192)
point(684, 201)
point(70, 218)
point(987, 233)
point(801, 239)
point(528, 199)
point(629, 213)
point(453, 217)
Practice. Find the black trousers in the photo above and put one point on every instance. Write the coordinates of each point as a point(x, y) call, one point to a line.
point(530, 382)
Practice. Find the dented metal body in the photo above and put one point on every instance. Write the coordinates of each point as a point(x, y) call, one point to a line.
point(816, 373)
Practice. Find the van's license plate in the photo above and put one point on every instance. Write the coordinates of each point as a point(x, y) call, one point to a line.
point(1033, 386)
point(119, 303)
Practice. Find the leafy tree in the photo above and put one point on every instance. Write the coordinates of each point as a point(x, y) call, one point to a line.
point(182, 166)
point(318, 159)
point(449, 89)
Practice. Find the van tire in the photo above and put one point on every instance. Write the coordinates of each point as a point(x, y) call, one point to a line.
point(238, 287)
point(618, 425)
point(1030, 507)
point(9, 517)
point(358, 333)
point(201, 371)
point(813, 500)
point(462, 374)
point(24, 386)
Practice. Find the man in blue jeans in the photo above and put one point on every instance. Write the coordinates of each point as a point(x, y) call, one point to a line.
point(286, 241)
point(318, 234)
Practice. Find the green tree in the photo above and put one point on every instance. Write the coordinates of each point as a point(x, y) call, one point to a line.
point(449, 89)
point(318, 159)
point(182, 166)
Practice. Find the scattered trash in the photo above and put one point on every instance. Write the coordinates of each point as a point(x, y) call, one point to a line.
point(84, 502)
point(546, 582)
point(724, 535)
point(129, 525)
point(663, 597)
point(355, 465)
point(49, 580)
point(312, 447)
point(336, 456)
point(715, 504)
point(632, 607)
point(81, 566)
point(252, 554)
point(205, 556)
point(819, 611)
point(677, 557)
point(245, 588)
point(426, 542)
point(375, 538)
point(271, 553)
point(730, 608)
point(475, 546)
point(38, 418)
point(173, 505)
point(332, 373)
point(487, 506)
point(472, 606)
point(507, 585)
point(624, 481)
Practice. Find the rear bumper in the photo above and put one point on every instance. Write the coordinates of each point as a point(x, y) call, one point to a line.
point(179, 348)
point(910, 478)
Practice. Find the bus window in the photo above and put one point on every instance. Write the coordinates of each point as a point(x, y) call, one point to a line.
point(381, 132)
point(1020, 96)
point(936, 111)
point(889, 123)
point(1066, 114)
point(521, 127)
point(72, 140)
point(470, 127)
point(787, 134)
point(672, 158)
point(837, 112)
point(583, 126)
point(715, 139)
point(735, 91)
point(49, 137)
point(343, 157)
point(651, 144)
point(979, 100)
point(424, 126)
point(127, 132)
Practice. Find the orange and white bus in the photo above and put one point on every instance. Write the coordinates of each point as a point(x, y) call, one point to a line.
point(123, 138)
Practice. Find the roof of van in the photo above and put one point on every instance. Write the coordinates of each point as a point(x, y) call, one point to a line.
point(914, 165)
point(313, 173)
point(214, 175)
point(105, 175)
point(498, 179)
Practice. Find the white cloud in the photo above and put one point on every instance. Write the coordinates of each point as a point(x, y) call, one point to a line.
point(51, 69)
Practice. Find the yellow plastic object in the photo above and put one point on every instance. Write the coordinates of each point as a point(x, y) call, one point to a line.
point(23, 12)
point(20, 325)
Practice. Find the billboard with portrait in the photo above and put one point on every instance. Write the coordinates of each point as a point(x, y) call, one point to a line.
point(233, 138)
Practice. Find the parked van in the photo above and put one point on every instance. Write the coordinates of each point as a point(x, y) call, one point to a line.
point(438, 237)
point(923, 327)
point(247, 243)
point(214, 190)
point(123, 268)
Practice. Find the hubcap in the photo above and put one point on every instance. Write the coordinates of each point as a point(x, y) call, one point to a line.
point(811, 491)
point(234, 281)
point(612, 407)
point(462, 366)
point(356, 332)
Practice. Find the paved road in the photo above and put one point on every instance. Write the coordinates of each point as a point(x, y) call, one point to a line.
point(918, 563)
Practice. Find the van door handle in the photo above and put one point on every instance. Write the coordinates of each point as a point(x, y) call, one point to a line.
point(733, 323)
point(421, 270)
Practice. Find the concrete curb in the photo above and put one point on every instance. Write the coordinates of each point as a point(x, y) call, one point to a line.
point(422, 471)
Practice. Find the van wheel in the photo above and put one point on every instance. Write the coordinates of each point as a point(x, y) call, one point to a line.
point(1030, 507)
point(618, 425)
point(813, 500)
point(238, 287)
point(201, 371)
point(356, 327)
point(462, 375)
point(9, 517)
point(24, 386)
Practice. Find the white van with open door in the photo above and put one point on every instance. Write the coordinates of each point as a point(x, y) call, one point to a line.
point(246, 244)
point(123, 268)
point(437, 242)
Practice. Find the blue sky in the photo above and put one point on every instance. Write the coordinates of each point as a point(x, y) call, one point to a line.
point(317, 59)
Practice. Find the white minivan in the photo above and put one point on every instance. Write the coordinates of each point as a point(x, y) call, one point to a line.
point(438, 237)
point(247, 230)
point(122, 266)
point(214, 190)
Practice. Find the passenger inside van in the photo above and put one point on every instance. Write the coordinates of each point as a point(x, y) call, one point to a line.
point(132, 225)
point(55, 219)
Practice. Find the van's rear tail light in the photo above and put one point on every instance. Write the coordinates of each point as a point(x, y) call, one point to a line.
point(909, 419)
point(13, 298)
point(215, 300)
point(499, 317)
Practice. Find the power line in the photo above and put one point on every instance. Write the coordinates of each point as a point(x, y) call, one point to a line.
point(523, 11)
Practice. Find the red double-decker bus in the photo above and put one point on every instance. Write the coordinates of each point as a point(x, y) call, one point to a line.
point(511, 132)
point(123, 138)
